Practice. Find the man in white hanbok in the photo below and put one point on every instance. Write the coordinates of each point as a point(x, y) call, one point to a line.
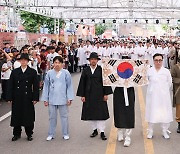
point(99, 52)
point(140, 50)
point(158, 100)
point(148, 53)
point(81, 57)
point(88, 50)
point(115, 51)
point(165, 55)
point(106, 52)
point(125, 51)
point(134, 54)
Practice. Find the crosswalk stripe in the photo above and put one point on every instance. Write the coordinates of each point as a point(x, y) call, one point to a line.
point(5, 116)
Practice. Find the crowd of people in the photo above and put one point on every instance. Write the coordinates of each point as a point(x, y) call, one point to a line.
point(75, 55)
point(36, 67)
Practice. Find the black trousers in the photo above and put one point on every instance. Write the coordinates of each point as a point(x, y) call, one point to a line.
point(4, 89)
point(28, 129)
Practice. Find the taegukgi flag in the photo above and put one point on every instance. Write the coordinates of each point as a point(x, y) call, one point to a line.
point(124, 72)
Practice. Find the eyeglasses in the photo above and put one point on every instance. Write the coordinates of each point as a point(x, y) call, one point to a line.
point(158, 60)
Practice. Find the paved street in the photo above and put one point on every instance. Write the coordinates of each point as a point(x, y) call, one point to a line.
point(80, 142)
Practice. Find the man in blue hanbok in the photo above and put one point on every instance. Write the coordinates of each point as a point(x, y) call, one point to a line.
point(58, 95)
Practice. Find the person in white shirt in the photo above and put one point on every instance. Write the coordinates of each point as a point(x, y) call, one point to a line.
point(34, 62)
point(125, 51)
point(99, 52)
point(106, 51)
point(120, 50)
point(148, 53)
point(156, 49)
point(5, 75)
point(93, 47)
point(134, 54)
point(165, 55)
point(88, 50)
point(51, 56)
point(140, 50)
point(81, 56)
point(115, 51)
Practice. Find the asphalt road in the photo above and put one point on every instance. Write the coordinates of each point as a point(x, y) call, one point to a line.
point(80, 142)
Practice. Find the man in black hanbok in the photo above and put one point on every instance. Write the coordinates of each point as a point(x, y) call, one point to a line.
point(94, 96)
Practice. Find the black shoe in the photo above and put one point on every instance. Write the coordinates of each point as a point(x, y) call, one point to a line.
point(94, 134)
point(29, 138)
point(15, 138)
point(103, 137)
point(178, 129)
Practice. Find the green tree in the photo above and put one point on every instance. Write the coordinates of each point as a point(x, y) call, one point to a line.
point(32, 22)
point(165, 27)
point(100, 29)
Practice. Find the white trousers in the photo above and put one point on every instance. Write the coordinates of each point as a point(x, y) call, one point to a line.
point(99, 124)
point(164, 126)
point(125, 132)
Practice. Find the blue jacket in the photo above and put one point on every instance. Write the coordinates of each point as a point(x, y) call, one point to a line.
point(57, 91)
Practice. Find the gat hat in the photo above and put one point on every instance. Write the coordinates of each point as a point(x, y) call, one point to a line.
point(93, 55)
point(24, 56)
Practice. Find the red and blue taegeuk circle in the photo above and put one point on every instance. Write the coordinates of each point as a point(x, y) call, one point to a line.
point(125, 70)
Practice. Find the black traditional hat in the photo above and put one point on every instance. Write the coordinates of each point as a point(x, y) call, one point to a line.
point(24, 56)
point(93, 55)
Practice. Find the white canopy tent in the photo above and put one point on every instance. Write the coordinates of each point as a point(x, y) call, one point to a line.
point(143, 11)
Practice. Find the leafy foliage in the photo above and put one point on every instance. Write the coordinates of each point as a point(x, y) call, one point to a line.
point(100, 29)
point(33, 22)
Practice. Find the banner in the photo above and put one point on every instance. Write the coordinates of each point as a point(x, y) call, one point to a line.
point(124, 73)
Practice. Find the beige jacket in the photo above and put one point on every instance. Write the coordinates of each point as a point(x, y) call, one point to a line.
point(175, 72)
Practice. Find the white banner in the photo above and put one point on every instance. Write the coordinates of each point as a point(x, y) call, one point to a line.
point(124, 73)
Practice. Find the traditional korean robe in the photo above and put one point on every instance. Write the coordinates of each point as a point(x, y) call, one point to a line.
point(82, 57)
point(158, 100)
point(52, 85)
point(91, 87)
point(115, 52)
point(124, 116)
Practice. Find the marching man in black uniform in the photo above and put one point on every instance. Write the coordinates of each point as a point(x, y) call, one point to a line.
point(23, 93)
point(94, 96)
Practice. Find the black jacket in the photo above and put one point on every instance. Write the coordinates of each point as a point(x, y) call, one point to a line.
point(23, 89)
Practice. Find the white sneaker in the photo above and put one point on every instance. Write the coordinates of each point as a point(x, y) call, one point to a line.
point(150, 134)
point(165, 135)
point(120, 137)
point(66, 137)
point(127, 142)
point(49, 138)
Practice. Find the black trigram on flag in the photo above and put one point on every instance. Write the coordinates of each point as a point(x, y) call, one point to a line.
point(137, 78)
point(138, 62)
point(112, 78)
point(112, 62)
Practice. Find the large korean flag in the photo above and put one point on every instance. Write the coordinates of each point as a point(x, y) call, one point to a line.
point(124, 73)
